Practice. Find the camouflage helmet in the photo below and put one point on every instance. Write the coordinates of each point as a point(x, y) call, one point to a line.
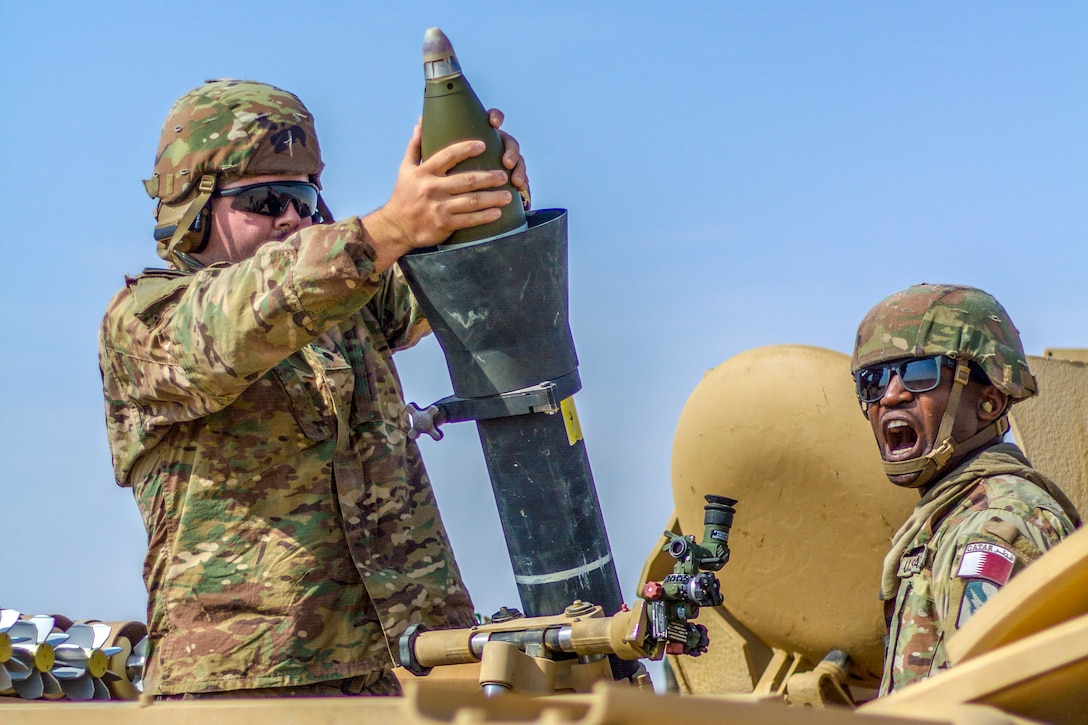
point(960, 322)
point(220, 132)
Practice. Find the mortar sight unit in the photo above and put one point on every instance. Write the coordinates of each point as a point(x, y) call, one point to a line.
point(675, 600)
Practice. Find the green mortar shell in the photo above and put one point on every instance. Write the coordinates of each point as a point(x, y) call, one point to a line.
point(451, 113)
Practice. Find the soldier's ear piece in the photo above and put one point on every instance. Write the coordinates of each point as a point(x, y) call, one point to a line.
point(987, 406)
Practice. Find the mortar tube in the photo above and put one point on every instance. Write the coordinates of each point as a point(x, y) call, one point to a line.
point(550, 514)
point(499, 311)
point(551, 517)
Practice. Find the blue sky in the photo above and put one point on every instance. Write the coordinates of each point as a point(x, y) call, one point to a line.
point(737, 175)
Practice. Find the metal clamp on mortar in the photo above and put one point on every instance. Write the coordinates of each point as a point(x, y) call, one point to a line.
point(547, 397)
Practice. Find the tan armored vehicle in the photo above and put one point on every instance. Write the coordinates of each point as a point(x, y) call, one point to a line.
point(798, 637)
point(801, 619)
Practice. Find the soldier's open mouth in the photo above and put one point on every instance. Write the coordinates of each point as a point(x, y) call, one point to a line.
point(900, 437)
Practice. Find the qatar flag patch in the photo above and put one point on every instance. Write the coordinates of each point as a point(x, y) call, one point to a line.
point(982, 560)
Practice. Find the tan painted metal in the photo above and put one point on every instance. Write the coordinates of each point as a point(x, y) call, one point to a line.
point(779, 428)
point(824, 686)
point(585, 632)
point(1043, 676)
point(430, 703)
point(465, 677)
point(1052, 427)
point(1067, 353)
point(503, 664)
point(591, 633)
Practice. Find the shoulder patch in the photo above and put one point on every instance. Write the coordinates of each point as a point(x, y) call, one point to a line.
point(912, 562)
point(983, 560)
point(975, 594)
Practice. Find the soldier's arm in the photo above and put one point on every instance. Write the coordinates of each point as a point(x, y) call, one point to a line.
point(986, 550)
point(197, 348)
point(397, 311)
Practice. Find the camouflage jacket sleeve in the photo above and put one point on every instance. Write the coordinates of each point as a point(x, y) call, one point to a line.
point(986, 542)
point(181, 348)
point(397, 312)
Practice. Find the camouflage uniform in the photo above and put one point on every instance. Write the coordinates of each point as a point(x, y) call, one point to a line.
point(980, 523)
point(255, 410)
point(1000, 509)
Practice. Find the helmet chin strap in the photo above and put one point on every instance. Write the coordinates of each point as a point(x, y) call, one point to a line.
point(929, 465)
point(179, 246)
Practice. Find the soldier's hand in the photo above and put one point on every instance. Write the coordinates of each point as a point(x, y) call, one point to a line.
point(427, 206)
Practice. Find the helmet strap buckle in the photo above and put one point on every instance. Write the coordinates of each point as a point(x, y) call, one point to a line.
point(942, 453)
point(962, 374)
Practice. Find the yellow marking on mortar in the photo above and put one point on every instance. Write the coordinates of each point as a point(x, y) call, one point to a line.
point(570, 420)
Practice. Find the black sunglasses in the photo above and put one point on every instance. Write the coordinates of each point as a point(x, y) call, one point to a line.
point(273, 198)
point(919, 375)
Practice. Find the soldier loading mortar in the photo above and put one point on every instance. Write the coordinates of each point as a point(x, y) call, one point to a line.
point(254, 408)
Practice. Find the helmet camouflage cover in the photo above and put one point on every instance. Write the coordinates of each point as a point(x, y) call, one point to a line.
point(222, 131)
point(964, 323)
